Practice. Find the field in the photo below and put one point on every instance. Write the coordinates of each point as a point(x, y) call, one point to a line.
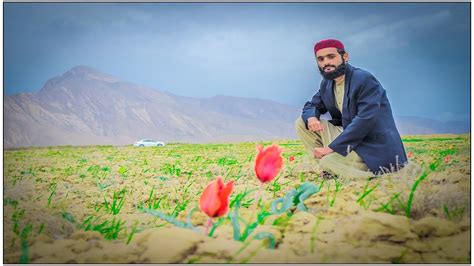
point(105, 204)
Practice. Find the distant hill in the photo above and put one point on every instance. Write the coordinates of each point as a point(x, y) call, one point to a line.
point(85, 106)
point(411, 125)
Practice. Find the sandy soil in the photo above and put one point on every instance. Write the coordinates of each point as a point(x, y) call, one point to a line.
point(53, 191)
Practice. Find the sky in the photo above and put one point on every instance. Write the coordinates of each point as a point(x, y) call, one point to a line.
point(419, 52)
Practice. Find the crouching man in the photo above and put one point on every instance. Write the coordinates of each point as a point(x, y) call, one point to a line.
point(361, 136)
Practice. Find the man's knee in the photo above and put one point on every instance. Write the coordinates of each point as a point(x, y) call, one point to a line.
point(330, 159)
point(299, 124)
point(326, 159)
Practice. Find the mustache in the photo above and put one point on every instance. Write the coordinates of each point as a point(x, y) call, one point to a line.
point(329, 66)
point(339, 71)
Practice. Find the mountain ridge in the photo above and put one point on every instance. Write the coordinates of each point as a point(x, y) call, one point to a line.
point(87, 106)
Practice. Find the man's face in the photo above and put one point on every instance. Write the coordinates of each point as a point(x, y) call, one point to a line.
point(328, 59)
point(331, 63)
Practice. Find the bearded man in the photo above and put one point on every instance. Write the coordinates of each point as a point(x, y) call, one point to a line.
point(361, 136)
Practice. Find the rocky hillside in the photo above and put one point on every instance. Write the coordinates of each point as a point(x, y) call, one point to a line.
point(84, 106)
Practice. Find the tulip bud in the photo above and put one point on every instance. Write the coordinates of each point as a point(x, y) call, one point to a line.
point(268, 162)
point(214, 200)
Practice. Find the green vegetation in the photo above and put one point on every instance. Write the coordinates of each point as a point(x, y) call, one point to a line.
point(120, 191)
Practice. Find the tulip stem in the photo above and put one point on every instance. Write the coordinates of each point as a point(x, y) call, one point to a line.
point(259, 195)
point(260, 192)
point(209, 223)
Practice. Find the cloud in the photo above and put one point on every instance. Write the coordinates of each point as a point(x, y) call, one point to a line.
point(86, 18)
point(255, 49)
point(390, 34)
point(449, 116)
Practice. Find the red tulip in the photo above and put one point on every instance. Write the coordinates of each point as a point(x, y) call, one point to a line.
point(447, 158)
point(214, 200)
point(410, 154)
point(292, 158)
point(268, 163)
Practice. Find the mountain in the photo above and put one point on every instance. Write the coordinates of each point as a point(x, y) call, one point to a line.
point(84, 107)
point(412, 125)
point(87, 107)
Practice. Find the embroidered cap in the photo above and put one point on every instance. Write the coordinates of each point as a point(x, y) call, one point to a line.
point(328, 43)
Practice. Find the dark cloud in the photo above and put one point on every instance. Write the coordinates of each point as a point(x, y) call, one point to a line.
point(254, 49)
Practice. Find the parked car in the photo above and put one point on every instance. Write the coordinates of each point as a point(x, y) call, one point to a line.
point(148, 142)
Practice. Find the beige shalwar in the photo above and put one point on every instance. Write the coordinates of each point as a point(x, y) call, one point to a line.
point(351, 165)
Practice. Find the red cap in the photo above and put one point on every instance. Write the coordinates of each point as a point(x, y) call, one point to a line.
point(328, 43)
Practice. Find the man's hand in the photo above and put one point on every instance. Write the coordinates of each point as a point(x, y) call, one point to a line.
point(321, 152)
point(315, 125)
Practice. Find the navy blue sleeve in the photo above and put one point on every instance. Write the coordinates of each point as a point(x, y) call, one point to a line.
point(369, 100)
point(314, 108)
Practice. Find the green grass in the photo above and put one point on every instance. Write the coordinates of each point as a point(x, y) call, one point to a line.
point(407, 140)
point(105, 187)
point(115, 205)
point(110, 229)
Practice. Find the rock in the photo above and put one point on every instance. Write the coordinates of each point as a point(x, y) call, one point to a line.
point(419, 246)
point(92, 256)
point(142, 237)
point(169, 245)
point(211, 260)
point(434, 258)
point(455, 247)
point(65, 255)
point(63, 243)
point(377, 226)
point(50, 260)
point(119, 252)
point(219, 248)
point(434, 226)
point(465, 224)
point(40, 249)
point(80, 246)
point(411, 256)
point(341, 252)
point(269, 256)
point(386, 252)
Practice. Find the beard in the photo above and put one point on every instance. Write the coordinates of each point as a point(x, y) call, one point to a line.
point(339, 71)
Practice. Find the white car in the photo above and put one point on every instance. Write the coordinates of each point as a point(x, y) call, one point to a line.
point(148, 142)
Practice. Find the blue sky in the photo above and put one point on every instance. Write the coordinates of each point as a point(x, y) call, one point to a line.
point(419, 52)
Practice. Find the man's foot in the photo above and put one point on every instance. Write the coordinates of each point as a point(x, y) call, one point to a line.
point(327, 175)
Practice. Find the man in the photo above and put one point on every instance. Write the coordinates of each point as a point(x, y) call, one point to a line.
point(361, 135)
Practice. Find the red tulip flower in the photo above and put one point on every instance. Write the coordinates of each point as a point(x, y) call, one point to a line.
point(268, 163)
point(292, 158)
point(447, 158)
point(214, 200)
point(410, 154)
